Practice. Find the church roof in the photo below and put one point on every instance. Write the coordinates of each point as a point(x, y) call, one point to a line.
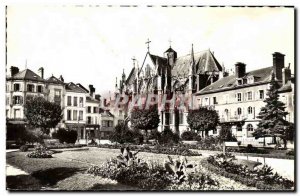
point(55, 80)
point(229, 82)
point(27, 74)
point(131, 76)
point(170, 50)
point(204, 62)
point(71, 87)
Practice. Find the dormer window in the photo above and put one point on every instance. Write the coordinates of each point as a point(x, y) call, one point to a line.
point(239, 81)
point(245, 81)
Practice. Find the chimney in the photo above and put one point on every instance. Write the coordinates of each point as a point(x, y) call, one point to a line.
point(61, 78)
point(92, 90)
point(240, 70)
point(14, 70)
point(286, 75)
point(41, 72)
point(278, 64)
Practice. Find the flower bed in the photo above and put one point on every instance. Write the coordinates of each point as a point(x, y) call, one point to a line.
point(259, 177)
point(40, 151)
point(173, 175)
point(157, 149)
point(59, 146)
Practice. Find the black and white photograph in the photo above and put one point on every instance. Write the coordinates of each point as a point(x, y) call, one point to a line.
point(150, 98)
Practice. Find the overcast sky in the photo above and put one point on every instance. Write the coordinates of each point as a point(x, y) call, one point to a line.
point(92, 45)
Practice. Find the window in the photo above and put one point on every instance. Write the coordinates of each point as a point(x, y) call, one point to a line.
point(239, 111)
point(16, 87)
point(81, 115)
point(239, 128)
point(180, 118)
point(75, 101)
point(68, 114)
point(171, 118)
point(249, 127)
point(89, 109)
point(7, 100)
point(249, 95)
point(7, 113)
point(39, 88)
point(261, 94)
point(245, 81)
point(239, 97)
point(215, 100)
point(215, 131)
point(80, 101)
point(17, 113)
point(69, 101)
point(240, 82)
point(95, 110)
point(89, 120)
point(96, 120)
point(17, 100)
point(206, 101)
point(7, 88)
point(250, 110)
point(57, 93)
point(74, 114)
point(30, 87)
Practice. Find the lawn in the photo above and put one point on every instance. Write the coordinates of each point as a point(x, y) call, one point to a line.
point(67, 171)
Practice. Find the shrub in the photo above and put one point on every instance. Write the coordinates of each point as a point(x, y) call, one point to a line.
point(122, 134)
point(40, 151)
point(189, 135)
point(246, 176)
point(24, 148)
point(168, 137)
point(290, 153)
point(65, 136)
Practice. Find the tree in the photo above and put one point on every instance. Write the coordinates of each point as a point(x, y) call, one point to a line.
point(226, 134)
point(145, 119)
point(272, 116)
point(202, 119)
point(43, 114)
point(122, 134)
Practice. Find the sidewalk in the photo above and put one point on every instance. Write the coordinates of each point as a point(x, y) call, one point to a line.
point(13, 171)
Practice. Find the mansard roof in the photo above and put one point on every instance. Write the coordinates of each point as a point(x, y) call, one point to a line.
point(54, 80)
point(27, 74)
point(228, 83)
point(71, 87)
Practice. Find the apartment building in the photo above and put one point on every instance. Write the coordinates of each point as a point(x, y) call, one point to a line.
point(238, 98)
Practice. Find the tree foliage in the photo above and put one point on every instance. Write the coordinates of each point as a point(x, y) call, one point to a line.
point(273, 115)
point(43, 114)
point(145, 119)
point(202, 119)
point(122, 134)
point(225, 134)
point(63, 135)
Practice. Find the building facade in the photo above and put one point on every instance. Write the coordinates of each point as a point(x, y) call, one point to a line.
point(239, 98)
point(82, 108)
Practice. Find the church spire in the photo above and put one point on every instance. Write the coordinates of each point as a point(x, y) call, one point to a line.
point(148, 43)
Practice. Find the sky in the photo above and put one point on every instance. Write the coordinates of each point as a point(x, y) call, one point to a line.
point(93, 44)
